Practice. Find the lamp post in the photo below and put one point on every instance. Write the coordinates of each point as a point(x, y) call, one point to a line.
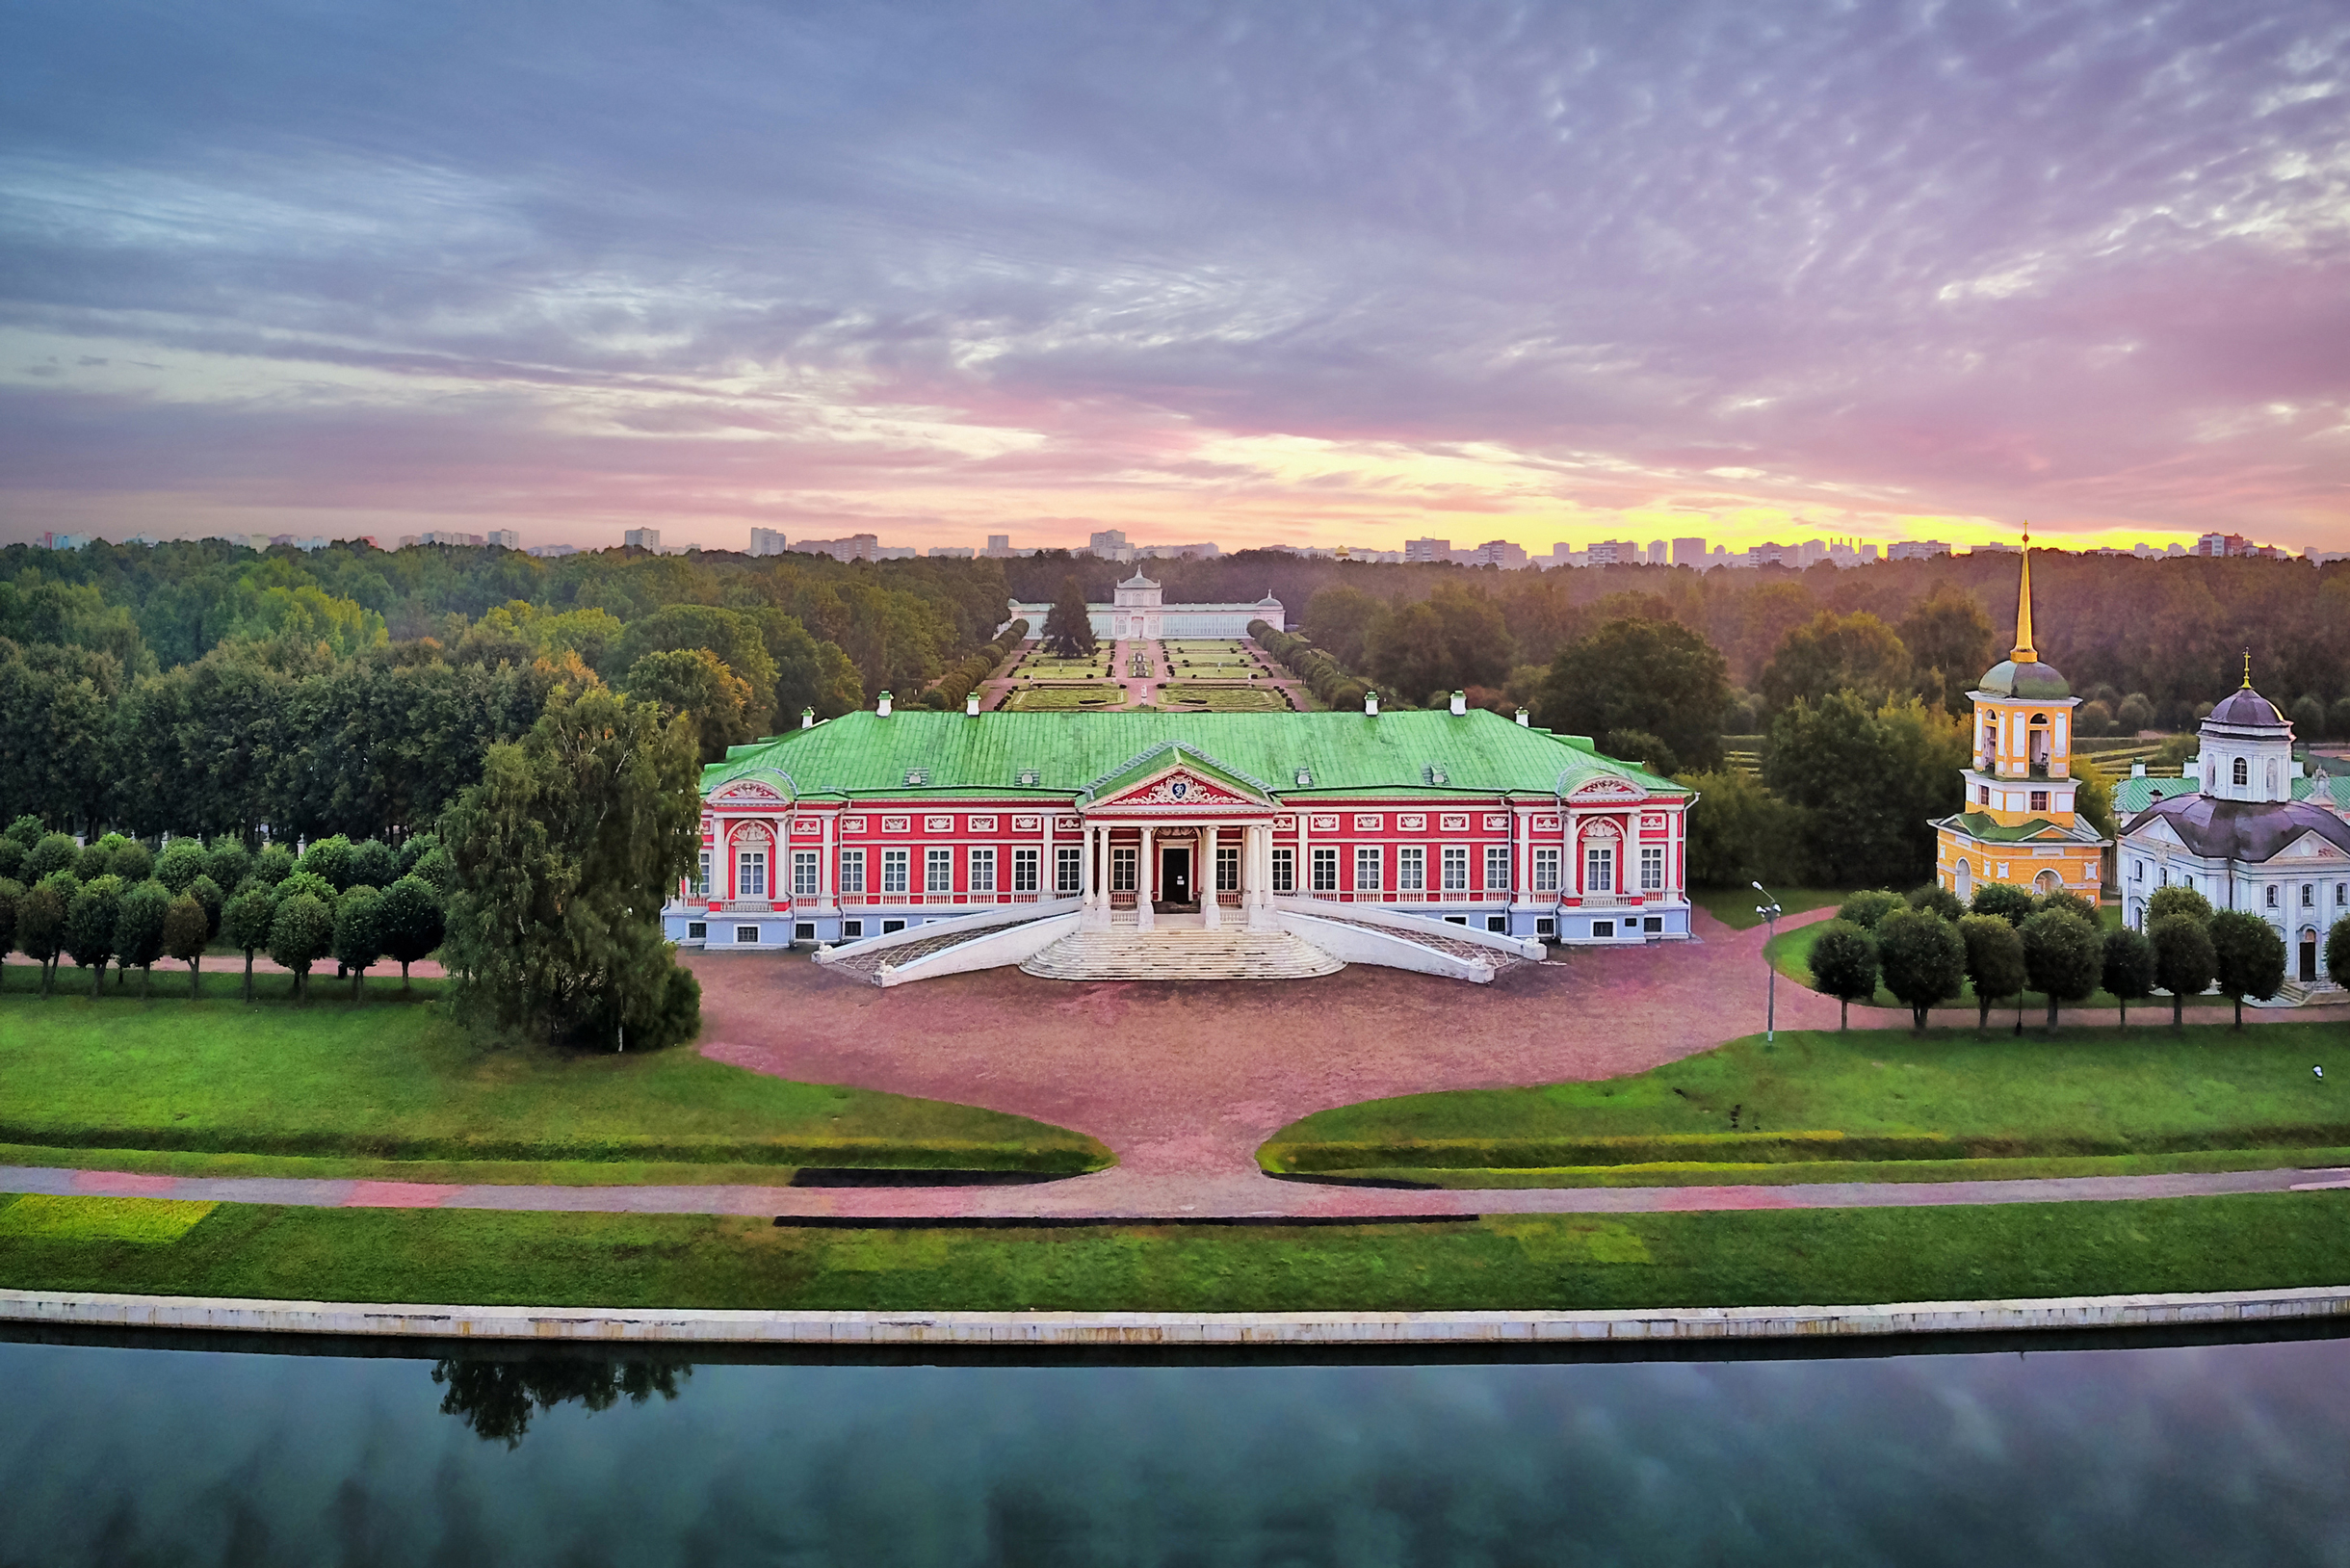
point(1770, 912)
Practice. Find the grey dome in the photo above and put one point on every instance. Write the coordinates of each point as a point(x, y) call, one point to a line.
point(2246, 709)
point(2009, 679)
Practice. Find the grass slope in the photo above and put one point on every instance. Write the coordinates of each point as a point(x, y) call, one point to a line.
point(1735, 906)
point(1824, 1098)
point(1736, 1258)
point(387, 1080)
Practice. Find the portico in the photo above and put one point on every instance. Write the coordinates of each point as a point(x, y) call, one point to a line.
point(1172, 833)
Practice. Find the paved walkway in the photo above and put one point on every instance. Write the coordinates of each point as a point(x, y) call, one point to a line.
point(1113, 1195)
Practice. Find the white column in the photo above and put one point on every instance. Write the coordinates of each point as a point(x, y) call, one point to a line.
point(1211, 912)
point(1259, 896)
point(824, 894)
point(1145, 873)
point(1305, 857)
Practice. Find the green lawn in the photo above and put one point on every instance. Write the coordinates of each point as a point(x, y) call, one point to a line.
point(1064, 698)
point(385, 1081)
point(222, 980)
point(1791, 953)
point(1223, 699)
point(1735, 906)
point(1720, 1258)
point(1827, 1098)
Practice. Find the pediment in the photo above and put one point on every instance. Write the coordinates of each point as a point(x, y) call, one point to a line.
point(748, 792)
point(2157, 831)
point(2310, 846)
point(1178, 788)
point(1606, 789)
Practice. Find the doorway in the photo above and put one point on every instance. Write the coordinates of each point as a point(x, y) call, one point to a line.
point(1175, 875)
point(2309, 955)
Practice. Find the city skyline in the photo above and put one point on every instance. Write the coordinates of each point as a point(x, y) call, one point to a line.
point(1315, 278)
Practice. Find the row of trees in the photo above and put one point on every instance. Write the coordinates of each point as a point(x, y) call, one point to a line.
point(1925, 948)
point(1322, 674)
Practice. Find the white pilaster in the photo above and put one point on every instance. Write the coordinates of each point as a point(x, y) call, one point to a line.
point(1146, 877)
point(1210, 908)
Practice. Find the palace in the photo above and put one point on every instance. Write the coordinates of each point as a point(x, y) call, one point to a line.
point(1138, 614)
point(2019, 825)
point(1363, 833)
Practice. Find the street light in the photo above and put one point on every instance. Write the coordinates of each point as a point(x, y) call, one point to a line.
point(1770, 917)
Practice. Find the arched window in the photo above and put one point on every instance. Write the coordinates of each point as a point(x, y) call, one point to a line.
point(2243, 771)
point(2272, 897)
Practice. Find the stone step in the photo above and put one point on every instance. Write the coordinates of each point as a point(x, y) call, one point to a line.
point(1180, 954)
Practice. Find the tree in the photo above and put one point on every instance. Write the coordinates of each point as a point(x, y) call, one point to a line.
point(208, 896)
point(1923, 960)
point(1950, 645)
point(1873, 781)
point(1845, 966)
point(1068, 627)
point(2248, 958)
point(373, 863)
point(90, 927)
point(1655, 676)
point(2130, 968)
point(410, 922)
point(53, 854)
point(1856, 653)
point(2063, 956)
point(1995, 963)
point(2185, 960)
point(2072, 903)
point(245, 924)
point(186, 930)
point(561, 857)
point(273, 865)
point(227, 862)
point(358, 933)
point(41, 923)
point(1938, 899)
point(300, 933)
point(138, 930)
point(2178, 899)
point(692, 682)
point(332, 860)
point(182, 861)
point(810, 672)
point(1338, 618)
point(2338, 951)
point(2011, 903)
point(11, 891)
point(1866, 907)
point(1643, 750)
point(1740, 832)
point(736, 638)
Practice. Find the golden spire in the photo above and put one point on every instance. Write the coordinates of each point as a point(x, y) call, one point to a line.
point(2247, 669)
point(2024, 653)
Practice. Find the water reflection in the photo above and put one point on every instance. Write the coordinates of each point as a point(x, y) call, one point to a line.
point(2203, 1454)
point(497, 1397)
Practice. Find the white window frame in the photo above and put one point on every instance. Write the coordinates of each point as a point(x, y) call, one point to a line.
point(750, 874)
point(852, 871)
point(1068, 870)
point(1366, 860)
point(1125, 865)
point(702, 880)
point(1454, 863)
point(803, 873)
point(895, 871)
point(982, 868)
point(1325, 871)
point(1411, 869)
point(1652, 869)
point(937, 871)
point(1546, 868)
point(1026, 864)
point(1496, 868)
point(1599, 868)
point(1228, 867)
point(1285, 871)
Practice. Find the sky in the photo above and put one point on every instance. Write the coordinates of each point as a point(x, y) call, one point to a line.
point(1296, 272)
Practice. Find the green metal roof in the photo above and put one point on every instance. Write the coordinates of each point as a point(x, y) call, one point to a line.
point(2133, 795)
point(1989, 829)
point(1433, 753)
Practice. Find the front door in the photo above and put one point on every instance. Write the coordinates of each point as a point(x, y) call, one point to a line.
point(1175, 875)
point(2309, 958)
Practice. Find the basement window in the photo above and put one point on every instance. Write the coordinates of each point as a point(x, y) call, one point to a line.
point(746, 933)
point(852, 927)
point(698, 931)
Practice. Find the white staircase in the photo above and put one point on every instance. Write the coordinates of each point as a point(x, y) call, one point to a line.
point(1178, 954)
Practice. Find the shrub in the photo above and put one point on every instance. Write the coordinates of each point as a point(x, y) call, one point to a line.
point(133, 862)
point(413, 849)
point(2184, 961)
point(1867, 908)
point(412, 922)
point(2010, 903)
point(333, 861)
point(227, 862)
point(2135, 713)
point(2130, 968)
point(11, 858)
point(273, 865)
point(182, 861)
point(2095, 718)
point(10, 892)
point(1845, 966)
point(2072, 903)
point(55, 853)
point(208, 896)
point(41, 923)
point(2176, 900)
point(1633, 746)
point(1938, 899)
point(1995, 963)
point(373, 864)
point(2063, 956)
point(2338, 951)
point(1923, 960)
point(2248, 958)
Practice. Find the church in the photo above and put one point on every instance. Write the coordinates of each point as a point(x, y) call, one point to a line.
point(1365, 836)
point(1136, 614)
point(2243, 826)
point(2020, 824)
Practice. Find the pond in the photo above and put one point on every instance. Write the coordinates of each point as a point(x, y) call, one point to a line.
point(188, 1451)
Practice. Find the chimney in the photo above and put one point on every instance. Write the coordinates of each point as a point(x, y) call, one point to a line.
point(807, 718)
point(2137, 770)
point(1460, 703)
point(1370, 703)
point(970, 704)
point(1523, 721)
point(881, 708)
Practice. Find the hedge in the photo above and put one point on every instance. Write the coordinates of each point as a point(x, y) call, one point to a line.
point(957, 682)
point(1324, 676)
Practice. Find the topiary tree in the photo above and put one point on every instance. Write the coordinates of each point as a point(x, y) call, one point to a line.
point(1845, 966)
point(2063, 955)
point(11, 859)
point(55, 853)
point(413, 848)
point(2184, 961)
point(2338, 951)
point(2130, 968)
point(245, 924)
point(1922, 959)
point(2248, 958)
point(1868, 908)
point(333, 861)
point(207, 893)
point(411, 923)
point(302, 932)
point(182, 861)
point(358, 933)
point(273, 865)
point(90, 927)
point(133, 862)
point(2074, 903)
point(1995, 963)
point(41, 923)
point(227, 862)
point(138, 930)
point(11, 891)
point(2176, 899)
point(373, 864)
point(2010, 903)
point(186, 930)
point(1938, 899)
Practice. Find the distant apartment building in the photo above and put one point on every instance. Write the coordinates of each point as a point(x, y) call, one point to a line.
point(2235, 546)
point(1110, 544)
point(1205, 550)
point(950, 551)
point(1916, 550)
point(1771, 555)
point(1657, 553)
point(1498, 553)
point(1689, 553)
point(999, 545)
point(296, 542)
point(552, 551)
point(642, 538)
point(1418, 551)
point(502, 539)
point(766, 541)
point(855, 547)
point(63, 541)
point(1610, 553)
point(450, 537)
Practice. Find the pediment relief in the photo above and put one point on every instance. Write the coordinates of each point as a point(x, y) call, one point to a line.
point(1608, 789)
point(747, 791)
point(1179, 789)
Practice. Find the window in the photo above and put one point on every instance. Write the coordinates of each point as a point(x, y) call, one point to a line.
point(1024, 869)
point(1122, 869)
point(1545, 871)
point(803, 873)
point(1499, 923)
point(1456, 870)
point(1412, 869)
point(1982, 794)
point(938, 871)
point(852, 927)
point(2242, 771)
point(1367, 870)
point(1496, 868)
point(892, 871)
point(2342, 895)
point(701, 877)
point(1546, 927)
point(698, 931)
point(750, 875)
point(746, 933)
point(804, 931)
point(1652, 870)
point(2308, 895)
point(1602, 927)
point(1228, 869)
point(1599, 871)
point(1456, 920)
point(890, 925)
point(1653, 923)
point(1325, 871)
point(982, 871)
point(2039, 800)
point(2137, 871)
point(852, 871)
point(1285, 871)
point(2272, 897)
point(1069, 871)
